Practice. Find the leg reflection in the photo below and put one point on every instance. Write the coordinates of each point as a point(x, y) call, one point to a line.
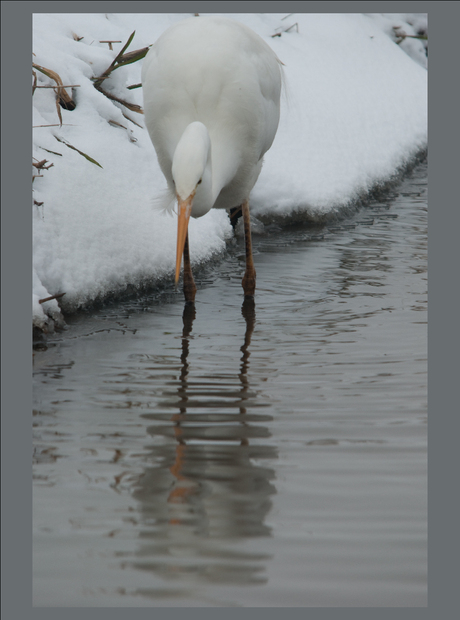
point(205, 493)
point(188, 317)
point(248, 310)
point(183, 487)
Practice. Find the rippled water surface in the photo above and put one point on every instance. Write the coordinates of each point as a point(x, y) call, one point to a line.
point(246, 455)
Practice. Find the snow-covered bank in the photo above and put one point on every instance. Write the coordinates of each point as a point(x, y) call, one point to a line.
point(355, 111)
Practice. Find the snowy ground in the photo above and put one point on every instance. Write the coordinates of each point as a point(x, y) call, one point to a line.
point(354, 112)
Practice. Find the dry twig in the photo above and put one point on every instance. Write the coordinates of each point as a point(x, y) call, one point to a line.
point(54, 125)
point(57, 296)
point(400, 35)
point(131, 106)
point(110, 43)
point(128, 131)
point(40, 165)
point(288, 29)
point(131, 120)
point(121, 60)
point(63, 86)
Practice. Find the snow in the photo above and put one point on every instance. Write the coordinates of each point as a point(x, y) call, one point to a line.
point(354, 112)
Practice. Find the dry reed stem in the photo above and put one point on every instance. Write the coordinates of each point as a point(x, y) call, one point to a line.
point(288, 29)
point(54, 125)
point(401, 34)
point(48, 151)
point(117, 124)
point(62, 98)
point(131, 120)
point(128, 131)
point(57, 296)
point(131, 106)
point(63, 86)
point(130, 57)
point(40, 165)
point(121, 60)
point(110, 43)
point(93, 161)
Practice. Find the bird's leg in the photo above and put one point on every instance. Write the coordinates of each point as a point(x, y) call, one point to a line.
point(249, 279)
point(235, 214)
point(189, 282)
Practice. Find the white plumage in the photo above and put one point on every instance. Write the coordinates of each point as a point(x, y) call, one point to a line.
point(211, 103)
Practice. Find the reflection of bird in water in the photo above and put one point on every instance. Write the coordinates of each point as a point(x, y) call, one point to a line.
point(188, 317)
point(211, 103)
point(187, 481)
point(206, 494)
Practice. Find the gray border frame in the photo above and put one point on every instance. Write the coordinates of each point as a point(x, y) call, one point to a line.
point(16, 254)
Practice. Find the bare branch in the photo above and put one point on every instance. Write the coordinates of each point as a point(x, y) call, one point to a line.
point(58, 296)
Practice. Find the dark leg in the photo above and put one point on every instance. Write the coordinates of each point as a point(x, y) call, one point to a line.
point(235, 215)
point(249, 279)
point(189, 282)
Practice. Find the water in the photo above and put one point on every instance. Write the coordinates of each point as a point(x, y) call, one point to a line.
point(246, 455)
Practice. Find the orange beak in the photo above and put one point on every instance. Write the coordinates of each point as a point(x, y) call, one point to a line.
point(185, 209)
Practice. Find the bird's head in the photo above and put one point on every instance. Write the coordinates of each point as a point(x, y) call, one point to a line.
point(191, 172)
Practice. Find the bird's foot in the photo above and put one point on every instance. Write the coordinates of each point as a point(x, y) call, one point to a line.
point(235, 214)
point(249, 283)
point(189, 289)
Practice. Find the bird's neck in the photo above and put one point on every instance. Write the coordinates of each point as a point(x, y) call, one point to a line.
point(204, 162)
point(191, 168)
point(224, 161)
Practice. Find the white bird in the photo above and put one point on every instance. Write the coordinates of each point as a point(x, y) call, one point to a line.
point(211, 90)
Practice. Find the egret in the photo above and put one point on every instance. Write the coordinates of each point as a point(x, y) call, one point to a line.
point(211, 90)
